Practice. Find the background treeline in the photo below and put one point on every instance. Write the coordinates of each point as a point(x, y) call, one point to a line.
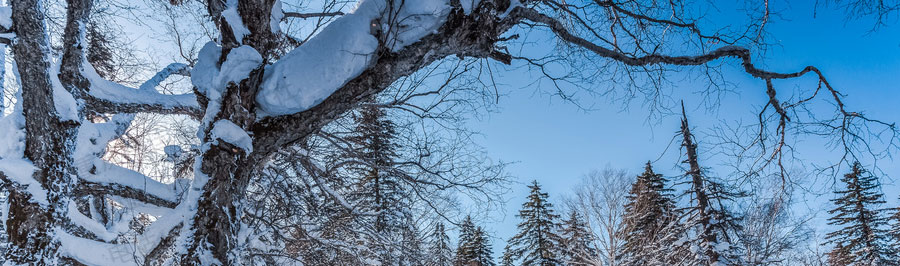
point(612, 218)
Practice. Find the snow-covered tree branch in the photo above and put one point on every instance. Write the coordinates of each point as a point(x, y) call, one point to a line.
point(274, 117)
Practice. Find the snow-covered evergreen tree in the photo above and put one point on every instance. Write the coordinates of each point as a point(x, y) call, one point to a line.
point(895, 229)
point(839, 256)
point(474, 247)
point(412, 248)
point(481, 248)
point(536, 243)
point(862, 237)
point(650, 211)
point(506, 258)
point(577, 247)
point(711, 228)
point(439, 250)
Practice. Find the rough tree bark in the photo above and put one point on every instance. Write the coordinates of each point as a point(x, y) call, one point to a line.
point(229, 168)
point(50, 140)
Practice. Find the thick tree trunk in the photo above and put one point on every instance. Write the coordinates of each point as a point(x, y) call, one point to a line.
point(229, 168)
point(49, 143)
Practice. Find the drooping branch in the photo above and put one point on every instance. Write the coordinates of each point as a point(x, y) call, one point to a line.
point(842, 126)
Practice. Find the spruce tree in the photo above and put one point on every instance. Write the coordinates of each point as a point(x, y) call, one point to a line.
point(412, 249)
point(439, 251)
point(649, 214)
point(712, 227)
point(536, 243)
point(861, 238)
point(506, 259)
point(474, 247)
point(895, 229)
point(481, 248)
point(576, 241)
point(379, 189)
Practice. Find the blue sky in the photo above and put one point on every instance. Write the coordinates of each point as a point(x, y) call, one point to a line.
point(556, 143)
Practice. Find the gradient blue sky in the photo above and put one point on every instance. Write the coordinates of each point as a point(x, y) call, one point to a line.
point(556, 143)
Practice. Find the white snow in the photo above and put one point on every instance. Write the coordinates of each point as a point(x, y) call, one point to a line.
point(241, 60)
point(417, 19)
point(341, 51)
point(5, 17)
point(94, 253)
point(89, 224)
point(12, 135)
point(276, 17)
point(468, 5)
point(212, 80)
point(150, 84)
point(63, 101)
point(108, 173)
point(205, 70)
point(146, 94)
point(234, 20)
point(231, 133)
point(20, 171)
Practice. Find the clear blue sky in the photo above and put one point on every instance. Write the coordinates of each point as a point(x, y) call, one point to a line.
point(556, 143)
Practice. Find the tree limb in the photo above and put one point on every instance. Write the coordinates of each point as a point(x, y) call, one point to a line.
point(312, 15)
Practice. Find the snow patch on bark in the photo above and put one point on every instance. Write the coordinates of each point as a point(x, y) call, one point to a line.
point(233, 134)
point(469, 5)
point(63, 101)
point(212, 80)
point(6, 16)
point(89, 224)
point(241, 60)
point(310, 73)
point(20, 171)
point(276, 17)
point(417, 19)
point(234, 20)
point(12, 135)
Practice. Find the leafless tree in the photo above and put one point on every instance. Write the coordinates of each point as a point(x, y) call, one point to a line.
point(601, 198)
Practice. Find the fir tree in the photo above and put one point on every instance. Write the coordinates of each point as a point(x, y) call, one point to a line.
point(712, 226)
point(379, 190)
point(861, 238)
point(839, 256)
point(412, 249)
point(537, 242)
point(576, 241)
point(474, 247)
point(481, 247)
point(439, 250)
point(895, 229)
point(506, 259)
point(649, 212)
